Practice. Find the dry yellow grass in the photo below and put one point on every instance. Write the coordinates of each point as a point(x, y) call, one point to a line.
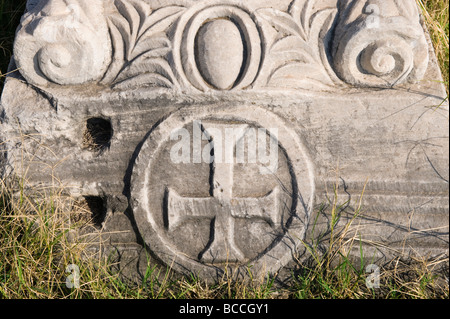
point(436, 13)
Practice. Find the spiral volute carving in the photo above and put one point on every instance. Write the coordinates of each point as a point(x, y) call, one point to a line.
point(59, 42)
point(380, 51)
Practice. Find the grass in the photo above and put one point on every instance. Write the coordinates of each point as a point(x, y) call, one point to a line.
point(436, 13)
point(35, 245)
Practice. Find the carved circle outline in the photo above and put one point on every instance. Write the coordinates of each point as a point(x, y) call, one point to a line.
point(187, 30)
point(302, 170)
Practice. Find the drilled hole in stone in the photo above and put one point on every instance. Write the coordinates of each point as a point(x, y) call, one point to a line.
point(97, 207)
point(89, 210)
point(97, 135)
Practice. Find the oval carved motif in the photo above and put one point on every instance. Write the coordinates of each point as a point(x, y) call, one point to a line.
point(219, 53)
point(218, 47)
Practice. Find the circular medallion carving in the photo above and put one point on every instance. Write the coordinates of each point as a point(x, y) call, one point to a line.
point(225, 202)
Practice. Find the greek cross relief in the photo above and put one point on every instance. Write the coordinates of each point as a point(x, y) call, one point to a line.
point(199, 46)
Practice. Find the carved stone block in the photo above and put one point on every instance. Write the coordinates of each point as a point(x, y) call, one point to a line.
point(213, 133)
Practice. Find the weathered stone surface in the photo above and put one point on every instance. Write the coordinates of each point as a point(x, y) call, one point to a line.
point(214, 131)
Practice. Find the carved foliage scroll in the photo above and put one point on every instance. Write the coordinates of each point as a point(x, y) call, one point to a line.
point(141, 45)
point(184, 45)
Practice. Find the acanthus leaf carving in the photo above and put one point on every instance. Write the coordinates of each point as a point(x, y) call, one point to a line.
point(141, 45)
point(299, 58)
